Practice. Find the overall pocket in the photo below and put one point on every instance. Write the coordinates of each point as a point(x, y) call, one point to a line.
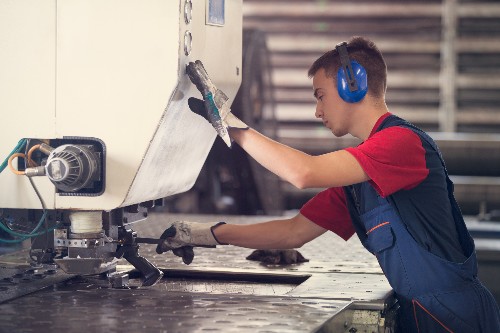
point(445, 312)
point(382, 241)
point(380, 237)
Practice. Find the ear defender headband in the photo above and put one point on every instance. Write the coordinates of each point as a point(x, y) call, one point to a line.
point(352, 81)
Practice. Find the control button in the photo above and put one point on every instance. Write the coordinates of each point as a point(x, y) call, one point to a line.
point(188, 11)
point(188, 42)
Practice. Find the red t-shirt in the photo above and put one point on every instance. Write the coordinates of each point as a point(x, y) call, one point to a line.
point(393, 158)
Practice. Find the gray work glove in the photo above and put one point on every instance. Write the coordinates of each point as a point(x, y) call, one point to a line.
point(215, 106)
point(182, 236)
point(277, 257)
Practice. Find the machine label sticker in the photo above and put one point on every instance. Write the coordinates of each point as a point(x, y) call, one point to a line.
point(215, 12)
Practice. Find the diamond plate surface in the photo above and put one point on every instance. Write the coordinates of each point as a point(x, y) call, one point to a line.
point(327, 254)
point(81, 306)
point(220, 291)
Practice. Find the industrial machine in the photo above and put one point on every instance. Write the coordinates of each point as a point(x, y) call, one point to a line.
point(96, 127)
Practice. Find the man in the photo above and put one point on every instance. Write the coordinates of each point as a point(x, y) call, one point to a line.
point(392, 190)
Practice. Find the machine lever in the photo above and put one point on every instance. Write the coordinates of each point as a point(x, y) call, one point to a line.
point(148, 240)
point(160, 240)
point(129, 250)
point(151, 273)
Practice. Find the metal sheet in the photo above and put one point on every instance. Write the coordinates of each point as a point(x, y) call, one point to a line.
point(73, 307)
point(327, 254)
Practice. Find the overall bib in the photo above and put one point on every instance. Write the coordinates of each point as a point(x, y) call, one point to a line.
point(435, 295)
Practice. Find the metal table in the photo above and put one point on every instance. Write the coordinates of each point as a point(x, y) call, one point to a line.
point(220, 291)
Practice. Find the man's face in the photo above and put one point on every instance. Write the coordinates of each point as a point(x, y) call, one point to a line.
point(329, 105)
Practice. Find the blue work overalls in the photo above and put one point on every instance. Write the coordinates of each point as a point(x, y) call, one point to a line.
point(435, 295)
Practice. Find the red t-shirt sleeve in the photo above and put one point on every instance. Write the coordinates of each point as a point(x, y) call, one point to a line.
point(328, 209)
point(393, 158)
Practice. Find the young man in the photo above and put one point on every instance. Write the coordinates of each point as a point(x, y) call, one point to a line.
point(392, 190)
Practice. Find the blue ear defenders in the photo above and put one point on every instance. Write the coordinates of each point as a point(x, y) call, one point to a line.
point(352, 81)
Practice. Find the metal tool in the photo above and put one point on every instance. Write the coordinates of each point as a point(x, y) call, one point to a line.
point(129, 250)
point(147, 240)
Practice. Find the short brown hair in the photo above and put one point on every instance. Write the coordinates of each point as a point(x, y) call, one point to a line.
point(367, 54)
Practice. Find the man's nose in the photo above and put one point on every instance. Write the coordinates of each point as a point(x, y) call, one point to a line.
point(318, 113)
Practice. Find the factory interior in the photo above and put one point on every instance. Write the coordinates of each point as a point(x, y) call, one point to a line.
point(102, 87)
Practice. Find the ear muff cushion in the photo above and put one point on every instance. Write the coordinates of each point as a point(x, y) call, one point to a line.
point(361, 79)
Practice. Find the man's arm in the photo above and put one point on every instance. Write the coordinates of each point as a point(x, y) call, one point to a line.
point(277, 234)
point(302, 170)
point(290, 233)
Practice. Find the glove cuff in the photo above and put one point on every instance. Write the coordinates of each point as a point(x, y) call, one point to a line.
point(202, 234)
point(234, 122)
point(213, 234)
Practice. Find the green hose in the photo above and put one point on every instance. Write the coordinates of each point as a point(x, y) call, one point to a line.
point(17, 149)
point(33, 233)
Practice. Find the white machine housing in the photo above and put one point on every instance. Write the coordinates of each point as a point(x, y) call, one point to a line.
point(113, 70)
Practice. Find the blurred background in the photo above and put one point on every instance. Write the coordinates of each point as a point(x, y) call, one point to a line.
point(443, 61)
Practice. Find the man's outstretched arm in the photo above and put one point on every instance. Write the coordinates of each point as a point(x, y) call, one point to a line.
point(182, 236)
point(302, 170)
point(277, 234)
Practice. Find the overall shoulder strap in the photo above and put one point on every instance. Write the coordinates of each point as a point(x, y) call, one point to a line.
point(465, 238)
point(354, 211)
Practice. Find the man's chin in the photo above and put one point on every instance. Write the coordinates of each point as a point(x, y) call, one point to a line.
point(337, 134)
